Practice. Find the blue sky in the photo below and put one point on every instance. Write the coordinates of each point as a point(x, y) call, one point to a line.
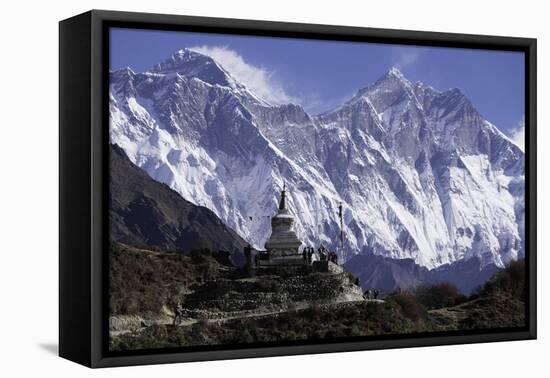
point(322, 74)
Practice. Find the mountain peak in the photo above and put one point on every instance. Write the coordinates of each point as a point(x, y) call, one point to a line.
point(395, 72)
point(394, 75)
point(183, 60)
point(191, 63)
point(386, 89)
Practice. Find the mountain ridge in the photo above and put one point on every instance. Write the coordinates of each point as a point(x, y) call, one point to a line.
point(415, 170)
point(389, 275)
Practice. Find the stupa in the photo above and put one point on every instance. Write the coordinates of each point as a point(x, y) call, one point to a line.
point(283, 244)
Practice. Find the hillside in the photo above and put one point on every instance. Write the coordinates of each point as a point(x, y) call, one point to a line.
point(221, 306)
point(145, 212)
point(143, 281)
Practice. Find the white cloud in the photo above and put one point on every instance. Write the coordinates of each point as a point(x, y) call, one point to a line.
point(405, 57)
point(517, 134)
point(259, 80)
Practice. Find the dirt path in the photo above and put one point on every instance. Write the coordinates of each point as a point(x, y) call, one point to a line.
point(251, 315)
point(297, 307)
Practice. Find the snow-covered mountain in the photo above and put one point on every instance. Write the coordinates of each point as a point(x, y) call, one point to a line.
point(419, 172)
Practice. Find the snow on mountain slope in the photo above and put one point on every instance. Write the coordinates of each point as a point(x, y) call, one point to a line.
point(420, 173)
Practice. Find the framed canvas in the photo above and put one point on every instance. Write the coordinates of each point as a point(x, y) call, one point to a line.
point(234, 188)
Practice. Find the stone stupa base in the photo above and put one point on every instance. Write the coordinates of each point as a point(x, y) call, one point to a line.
point(289, 260)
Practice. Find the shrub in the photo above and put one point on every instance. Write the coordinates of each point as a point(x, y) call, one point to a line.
point(409, 305)
point(439, 295)
point(510, 280)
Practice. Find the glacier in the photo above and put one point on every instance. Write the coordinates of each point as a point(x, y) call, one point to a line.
point(419, 172)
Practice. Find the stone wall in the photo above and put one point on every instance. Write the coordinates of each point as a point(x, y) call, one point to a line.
point(273, 293)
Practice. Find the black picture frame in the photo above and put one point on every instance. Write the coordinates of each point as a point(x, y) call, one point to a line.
point(83, 181)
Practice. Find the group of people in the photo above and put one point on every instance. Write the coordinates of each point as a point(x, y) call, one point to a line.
point(324, 254)
point(307, 254)
point(372, 294)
